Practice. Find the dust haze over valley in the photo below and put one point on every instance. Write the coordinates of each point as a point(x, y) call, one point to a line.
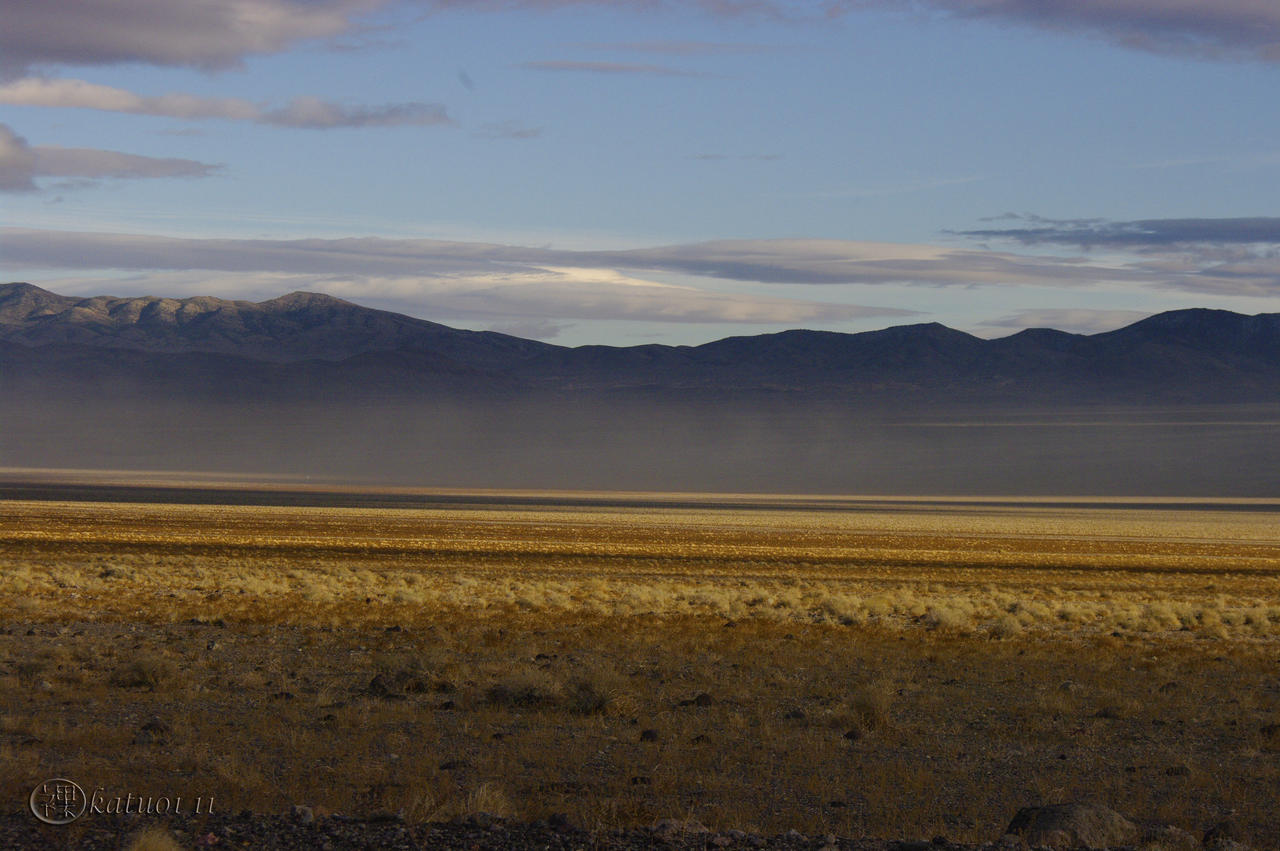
point(309, 386)
point(666, 446)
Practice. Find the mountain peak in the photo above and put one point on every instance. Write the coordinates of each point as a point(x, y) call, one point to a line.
point(21, 301)
point(301, 300)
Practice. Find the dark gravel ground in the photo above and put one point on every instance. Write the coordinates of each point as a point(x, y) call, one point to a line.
point(287, 833)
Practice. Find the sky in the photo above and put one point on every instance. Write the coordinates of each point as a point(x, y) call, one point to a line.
point(641, 171)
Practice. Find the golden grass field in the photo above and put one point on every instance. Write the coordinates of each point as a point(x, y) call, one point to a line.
point(871, 667)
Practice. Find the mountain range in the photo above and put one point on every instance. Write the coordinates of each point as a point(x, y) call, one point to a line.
point(310, 345)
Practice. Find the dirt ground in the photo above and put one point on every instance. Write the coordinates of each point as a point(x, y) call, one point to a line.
point(890, 669)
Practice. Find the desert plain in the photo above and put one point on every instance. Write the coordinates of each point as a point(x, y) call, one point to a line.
point(864, 667)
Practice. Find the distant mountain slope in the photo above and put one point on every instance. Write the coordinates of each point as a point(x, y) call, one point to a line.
point(317, 346)
point(294, 327)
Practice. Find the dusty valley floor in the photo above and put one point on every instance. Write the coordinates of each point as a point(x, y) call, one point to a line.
point(897, 668)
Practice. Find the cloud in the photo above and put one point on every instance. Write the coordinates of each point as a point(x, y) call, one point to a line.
point(216, 34)
point(1216, 270)
point(1221, 29)
point(830, 261)
point(213, 34)
point(304, 112)
point(21, 163)
point(611, 68)
point(777, 261)
point(1141, 233)
point(1227, 256)
point(17, 163)
point(1075, 320)
point(539, 296)
point(207, 34)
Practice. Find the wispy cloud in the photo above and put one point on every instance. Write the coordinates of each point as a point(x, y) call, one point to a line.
point(1212, 269)
point(776, 261)
point(302, 112)
point(544, 297)
point(1140, 233)
point(202, 33)
point(214, 34)
point(1222, 29)
point(21, 164)
point(611, 68)
point(1226, 256)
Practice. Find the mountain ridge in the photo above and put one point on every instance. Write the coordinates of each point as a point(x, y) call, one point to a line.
point(304, 341)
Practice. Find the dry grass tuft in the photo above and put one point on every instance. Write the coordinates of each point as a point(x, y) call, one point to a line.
point(154, 838)
point(147, 670)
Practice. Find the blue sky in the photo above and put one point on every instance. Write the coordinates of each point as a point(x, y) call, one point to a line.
point(627, 172)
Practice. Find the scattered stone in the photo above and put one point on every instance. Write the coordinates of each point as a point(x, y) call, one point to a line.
point(702, 699)
point(385, 817)
point(1167, 838)
point(155, 725)
point(1073, 826)
point(665, 828)
point(302, 815)
point(1224, 836)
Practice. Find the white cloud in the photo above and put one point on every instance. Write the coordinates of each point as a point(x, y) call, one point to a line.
point(306, 112)
point(21, 163)
point(17, 163)
point(500, 267)
point(221, 33)
point(515, 296)
point(195, 33)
